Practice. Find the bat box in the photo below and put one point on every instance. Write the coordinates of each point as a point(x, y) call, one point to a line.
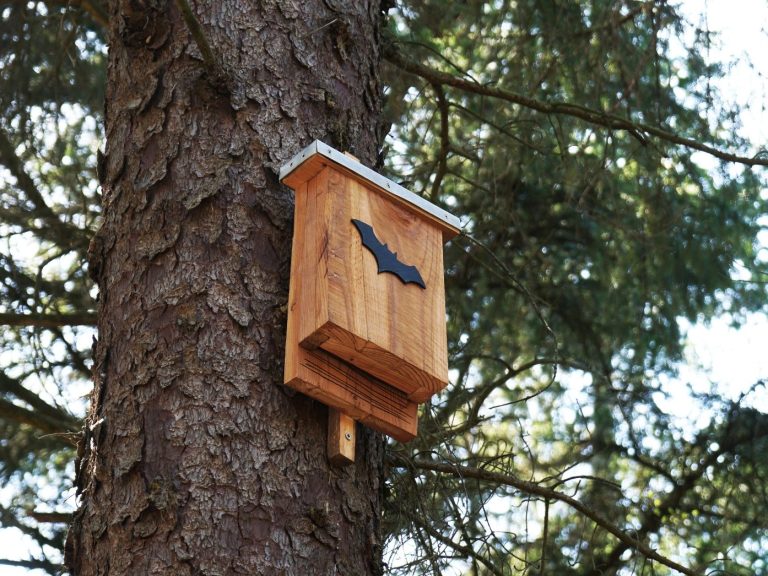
point(366, 318)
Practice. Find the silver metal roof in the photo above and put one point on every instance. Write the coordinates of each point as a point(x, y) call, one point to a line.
point(385, 184)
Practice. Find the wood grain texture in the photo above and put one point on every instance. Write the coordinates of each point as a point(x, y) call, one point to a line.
point(315, 372)
point(341, 438)
point(313, 165)
point(391, 330)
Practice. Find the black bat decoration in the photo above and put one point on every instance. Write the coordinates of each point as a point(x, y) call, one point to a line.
point(386, 260)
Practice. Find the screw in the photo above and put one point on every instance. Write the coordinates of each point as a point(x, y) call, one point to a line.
point(348, 435)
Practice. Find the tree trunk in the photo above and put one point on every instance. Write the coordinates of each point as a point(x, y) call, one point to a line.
point(196, 459)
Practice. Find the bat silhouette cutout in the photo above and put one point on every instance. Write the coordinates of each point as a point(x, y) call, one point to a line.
point(386, 260)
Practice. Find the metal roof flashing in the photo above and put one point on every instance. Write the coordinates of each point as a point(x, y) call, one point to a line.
point(386, 185)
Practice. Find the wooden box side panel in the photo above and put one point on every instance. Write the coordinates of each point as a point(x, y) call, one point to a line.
point(347, 306)
point(290, 367)
point(308, 295)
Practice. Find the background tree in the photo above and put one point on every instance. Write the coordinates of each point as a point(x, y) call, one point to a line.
point(565, 136)
point(554, 130)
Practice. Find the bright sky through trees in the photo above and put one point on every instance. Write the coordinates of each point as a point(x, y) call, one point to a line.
point(728, 355)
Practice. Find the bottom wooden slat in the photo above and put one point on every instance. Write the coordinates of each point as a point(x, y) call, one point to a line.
point(355, 393)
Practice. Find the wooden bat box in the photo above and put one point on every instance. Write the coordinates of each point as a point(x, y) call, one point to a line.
point(366, 318)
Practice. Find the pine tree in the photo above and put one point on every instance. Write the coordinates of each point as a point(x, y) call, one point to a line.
point(568, 136)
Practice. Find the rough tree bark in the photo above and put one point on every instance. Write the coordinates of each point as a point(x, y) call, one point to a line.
point(196, 459)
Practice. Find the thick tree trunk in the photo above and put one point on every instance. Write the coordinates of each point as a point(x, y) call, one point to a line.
point(197, 460)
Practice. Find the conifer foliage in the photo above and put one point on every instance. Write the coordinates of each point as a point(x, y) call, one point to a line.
point(606, 200)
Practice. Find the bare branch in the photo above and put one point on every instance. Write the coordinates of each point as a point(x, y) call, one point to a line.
point(93, 9)
point(33, 565)
point(465, 551)
point(652, 519)
point(48, 320)
point(51, 517)
point(11, 161)
point(42, 422)
point(212, 64)
point(442, 161)
point(544, 539)
point(522, 289)
point(50, 413)
point(535, 489)
point(26, 184)
point(9, 519)
point(638, 130)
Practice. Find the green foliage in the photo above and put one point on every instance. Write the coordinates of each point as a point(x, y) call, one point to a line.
point(585, 247)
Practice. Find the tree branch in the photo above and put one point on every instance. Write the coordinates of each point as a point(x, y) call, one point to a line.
point(465, 551)
point(27, 185)
point(51, 517)
point(212, 64)
point(11, 161)
point(93, 9)
point(535, 489)
point(637, 129)
point(442, 161)
point(51, 413)
point(42, 422)
point(653, 519)
point(48, 320)
point(9, 519)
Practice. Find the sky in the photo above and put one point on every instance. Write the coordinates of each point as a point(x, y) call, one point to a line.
point(743, 30)
point(735, 356)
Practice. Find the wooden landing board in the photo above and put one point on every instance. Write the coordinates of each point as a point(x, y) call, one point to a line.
point(327, 379)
